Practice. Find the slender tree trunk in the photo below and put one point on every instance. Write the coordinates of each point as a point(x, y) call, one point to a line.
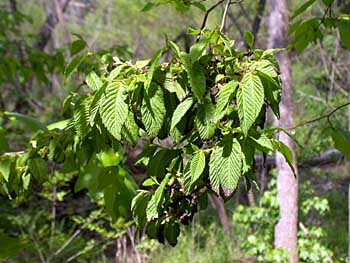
point(287, 183)
point(218, 203)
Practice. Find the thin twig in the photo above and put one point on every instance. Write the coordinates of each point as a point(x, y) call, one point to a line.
point(223, 20)
point(208, 12)
point(328, 115)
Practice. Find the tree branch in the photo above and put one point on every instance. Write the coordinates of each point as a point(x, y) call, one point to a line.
point(223, 20)
point(258, 17)
point(328, 115)
point(208, 12)
point(328, 158)
point(46, 29)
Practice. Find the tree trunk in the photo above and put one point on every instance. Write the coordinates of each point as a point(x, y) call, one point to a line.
point(218, 204)
point(287, 183)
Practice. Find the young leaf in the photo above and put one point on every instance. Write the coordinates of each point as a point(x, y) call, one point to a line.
point(249, 38)
point(180, 111)
point(302, 9)
point(76, 46)
point(73, 65)
point(250, 99)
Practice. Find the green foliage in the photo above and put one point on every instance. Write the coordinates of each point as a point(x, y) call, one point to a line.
point(257, 225)
point(306, 31)
point(207, 103)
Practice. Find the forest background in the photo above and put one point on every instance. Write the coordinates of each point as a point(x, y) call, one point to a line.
point(62, 222)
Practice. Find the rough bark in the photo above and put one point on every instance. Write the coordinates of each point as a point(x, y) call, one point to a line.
point(287, 183)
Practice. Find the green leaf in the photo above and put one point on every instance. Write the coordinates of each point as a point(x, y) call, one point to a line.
point(272, 90)
point(200, 6)
point(109, 158)
point(250, 99)
point(149, 182)
point(160, 161)
point(172, 86)
point(174, 47)
point(93, 81)
point(205, 120)
point(197, 166)
point(328, 2)
point(38, 168)
point(113, 109)
point(154, 63)
point(6, 165)
point(73, 65)
point(147, 153)
point(263, 143)
point(153, 110)
point(342, 142)
point(148, 7)
point(29, 121)
point(139, 207)
point(197, 49)
point(286, 152)
point(249, 38)
point(96, 103)
point(225, 166)
point(302, 9)
point(196, 75)
point(344, 32)
point(81, 118)
point(10, 246)
point(157, 199)
point(130, 129)
point(180, 111)
point(225, 96)
point(4, 146)
point(76, 46)
point(172, 231)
